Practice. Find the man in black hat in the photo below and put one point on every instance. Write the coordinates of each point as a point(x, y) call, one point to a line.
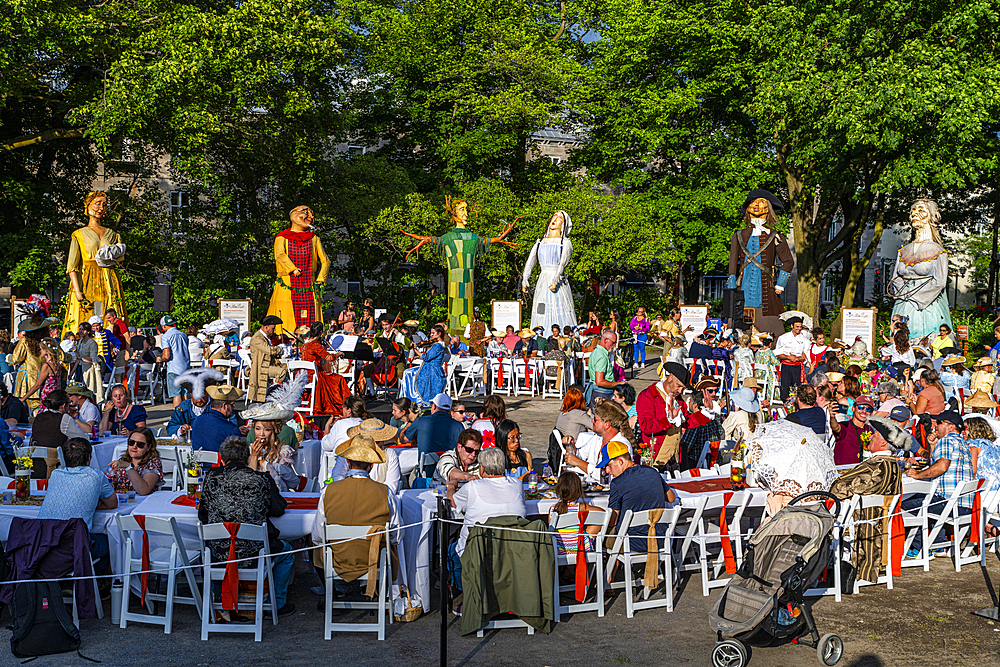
point(792, 349)
point(264, 360)
point(661, 414)
point(752, 254)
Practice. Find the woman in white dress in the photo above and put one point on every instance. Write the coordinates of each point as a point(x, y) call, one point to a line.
point(553, 301)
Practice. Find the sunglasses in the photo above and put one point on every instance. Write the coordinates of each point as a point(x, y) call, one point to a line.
point(141, 444)
point(461, 412)
point(863, 408)
point(470, 450)
point(712, 391)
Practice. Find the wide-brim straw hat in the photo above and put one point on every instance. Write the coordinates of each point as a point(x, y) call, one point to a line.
point(835, 376)
point(526, 333)
point(983, 361)
point(751, 382)
point(497, 333)
point(224, 392)
point(411, 323)
point(952, 360)
point(376, 429)
point(361, 448)
point(980, 399)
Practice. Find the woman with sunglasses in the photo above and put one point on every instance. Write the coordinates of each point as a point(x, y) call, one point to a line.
point(852, 435)
point(139, 469)
point(508, 441)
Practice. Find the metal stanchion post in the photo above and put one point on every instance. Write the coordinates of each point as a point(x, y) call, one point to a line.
point(444, 511)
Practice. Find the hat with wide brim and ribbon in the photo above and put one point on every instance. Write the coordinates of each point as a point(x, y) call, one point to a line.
point(952, 360)
point(526, 333)
point(376, 429)
point(362, 449)
point(36, 323)
point(745, 399)
point(224, 392)
point(983, 361)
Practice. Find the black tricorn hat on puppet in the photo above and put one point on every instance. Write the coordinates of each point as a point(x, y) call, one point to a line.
point(776, 204)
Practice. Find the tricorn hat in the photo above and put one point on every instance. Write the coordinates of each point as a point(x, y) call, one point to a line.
point(225, 392)
point(270, 319)
point(766, 194)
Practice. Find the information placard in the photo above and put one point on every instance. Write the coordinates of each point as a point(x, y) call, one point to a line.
point(238, 310)
point(859, 322)
point(506, 313)
point(695, 317)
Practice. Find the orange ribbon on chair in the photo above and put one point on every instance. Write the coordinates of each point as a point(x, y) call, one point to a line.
point(231, 581)
point(713, 452)
point(581, 559)
point(695, 472)
point(897, 539)
point(977, 514)
point(651, 577)
point(500, 374)
point(727, 546)
point(146, 563)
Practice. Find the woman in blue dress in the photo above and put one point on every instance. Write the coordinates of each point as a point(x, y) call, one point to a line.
point(423, 383)
point(955, 376)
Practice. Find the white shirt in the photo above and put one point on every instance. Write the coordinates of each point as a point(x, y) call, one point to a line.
point(482, 499)
point(338, 433)
point(89, 412)
point(789, 343)
point(588, 448)
point(319, 526)
point(393, 476)
point(196, 348)
point(895, 356)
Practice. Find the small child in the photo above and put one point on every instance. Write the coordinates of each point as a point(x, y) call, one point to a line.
point(569, 490)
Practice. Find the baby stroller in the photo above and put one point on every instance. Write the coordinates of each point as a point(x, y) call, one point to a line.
point(763, 602)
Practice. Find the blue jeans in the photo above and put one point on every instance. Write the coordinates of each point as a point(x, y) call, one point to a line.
point(455, 566)
point(937, 505)
point(639, 355)
point(100, 552)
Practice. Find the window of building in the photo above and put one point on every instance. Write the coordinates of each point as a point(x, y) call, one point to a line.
point(353, 287)
point(712, 286)
point(828, 288)
point(355, 150)
point(179, 204)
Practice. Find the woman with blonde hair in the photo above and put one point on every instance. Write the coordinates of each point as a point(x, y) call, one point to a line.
point(270, 455)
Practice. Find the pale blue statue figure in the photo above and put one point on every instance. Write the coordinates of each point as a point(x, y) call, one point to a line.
point(920, 278)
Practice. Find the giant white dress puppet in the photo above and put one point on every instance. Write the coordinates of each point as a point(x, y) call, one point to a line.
point(553, 302)
point(920, 278)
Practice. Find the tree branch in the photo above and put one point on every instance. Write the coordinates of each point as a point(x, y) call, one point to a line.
point(47, 135)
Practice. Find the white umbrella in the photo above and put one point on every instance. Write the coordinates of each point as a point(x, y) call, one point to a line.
point(807, 321)
point(787, 458)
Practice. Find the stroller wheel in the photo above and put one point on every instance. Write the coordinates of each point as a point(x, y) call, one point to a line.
point(830, 649)
point(729, 653)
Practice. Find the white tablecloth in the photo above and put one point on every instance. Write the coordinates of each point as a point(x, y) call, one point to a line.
point(307, 458)
point(104, 451)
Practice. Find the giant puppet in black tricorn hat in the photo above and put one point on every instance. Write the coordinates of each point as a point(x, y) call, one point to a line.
point(753, 293)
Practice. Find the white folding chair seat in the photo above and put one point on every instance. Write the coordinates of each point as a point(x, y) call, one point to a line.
point(552, 387)
point(217, 572)
point(472, 372)
point(851, 527)
point(525, 369)
point(708, 535)
point(622, 553)
point(594, 559)
point(336, 533)
point(173, 558)
point(961, 526)
point(308, 406)
point(427, 461)
point(916, 521)
point(501, 376)
point(173, 459)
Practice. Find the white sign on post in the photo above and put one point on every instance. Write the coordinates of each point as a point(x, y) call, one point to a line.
point(859, 322)
point(238, 310)
point(16, 315)
point(695, 317)
point(506, 313)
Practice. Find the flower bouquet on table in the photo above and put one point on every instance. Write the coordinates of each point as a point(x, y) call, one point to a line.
point(22, 476)
point(645, 452)
point(194, 476)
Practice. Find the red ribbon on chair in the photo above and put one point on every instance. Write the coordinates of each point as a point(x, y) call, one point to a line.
point(897, 539)
point(581, 559)
point(231, 581)
point(146, 563)
point(528, 367)
point(727, 546)
point(713, 452)
point(695, 472)
point(977, 514)
point(500, 374)
point(42, 484)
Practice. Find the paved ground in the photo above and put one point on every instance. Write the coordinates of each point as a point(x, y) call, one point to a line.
point(925, 620)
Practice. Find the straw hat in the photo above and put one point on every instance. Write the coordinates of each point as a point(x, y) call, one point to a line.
point(706, 383)
point(375, 429)
point(751, 382)
point(526, 333)
point(361, 448)
point(952, 360)
point(980, 399)
point(834, 376)
point(411, 323)
point(983, 361)
point(497, 333)
point(302, 330)
point(225, 392)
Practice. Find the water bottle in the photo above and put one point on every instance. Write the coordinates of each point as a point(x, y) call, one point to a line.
point(532, 481)
point(546, 471)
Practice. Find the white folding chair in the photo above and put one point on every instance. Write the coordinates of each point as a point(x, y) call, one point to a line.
point(622, 553)
point(308, 405)
point(243, 374)
point(174, 459)
point(226, 366)
point(915, 521)
point(427, 459)
point(501, 376)
point(41, 452)
point(336, 533)
point(217, 572)
point(144, 382)
point(173, 558)
point(326, 463)
point(851, 527)
point(961, 525)
point(706, 450)
point(705, 538)
point(557, 389)
point(836, 539)
point(472, 372)
point(198, 457)
point(524, 369)
point(594, 559)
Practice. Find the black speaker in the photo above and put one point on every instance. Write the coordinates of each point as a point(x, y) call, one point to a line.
point(732, 305)
point(163, 298)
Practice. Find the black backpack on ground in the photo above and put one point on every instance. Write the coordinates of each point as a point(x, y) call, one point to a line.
point(42, 625)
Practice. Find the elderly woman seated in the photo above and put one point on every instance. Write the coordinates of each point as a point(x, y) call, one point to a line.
point(494, 494)
point(139, 469)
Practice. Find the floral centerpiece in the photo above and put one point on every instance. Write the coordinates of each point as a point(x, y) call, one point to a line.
point(22, 476)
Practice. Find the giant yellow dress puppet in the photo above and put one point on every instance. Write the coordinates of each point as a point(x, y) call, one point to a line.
point(297, 251)
point(94, 253)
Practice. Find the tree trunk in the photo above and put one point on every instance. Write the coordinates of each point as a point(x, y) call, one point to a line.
point(859, 264)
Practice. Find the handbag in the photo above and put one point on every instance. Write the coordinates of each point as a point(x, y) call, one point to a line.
point(407, 610)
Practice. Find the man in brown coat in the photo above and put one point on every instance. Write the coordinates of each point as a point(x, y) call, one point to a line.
point(264, 361)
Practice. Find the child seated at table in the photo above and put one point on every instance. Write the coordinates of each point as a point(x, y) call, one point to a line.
point(569, 490)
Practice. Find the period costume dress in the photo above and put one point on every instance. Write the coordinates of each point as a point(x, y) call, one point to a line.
point(551, 307)
point(423, 383)
point(765, 373)
point(918, 285)
point(752, 256)
point(100, 284)
point(743, 356)
point(879, 475)
point(331, 389)
point(294, 298)
point(459, 250)
point(477, 332)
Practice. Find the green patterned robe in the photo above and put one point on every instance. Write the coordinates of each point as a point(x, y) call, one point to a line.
point(459, 249)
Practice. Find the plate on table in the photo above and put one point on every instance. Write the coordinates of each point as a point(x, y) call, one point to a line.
point(596, 488)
